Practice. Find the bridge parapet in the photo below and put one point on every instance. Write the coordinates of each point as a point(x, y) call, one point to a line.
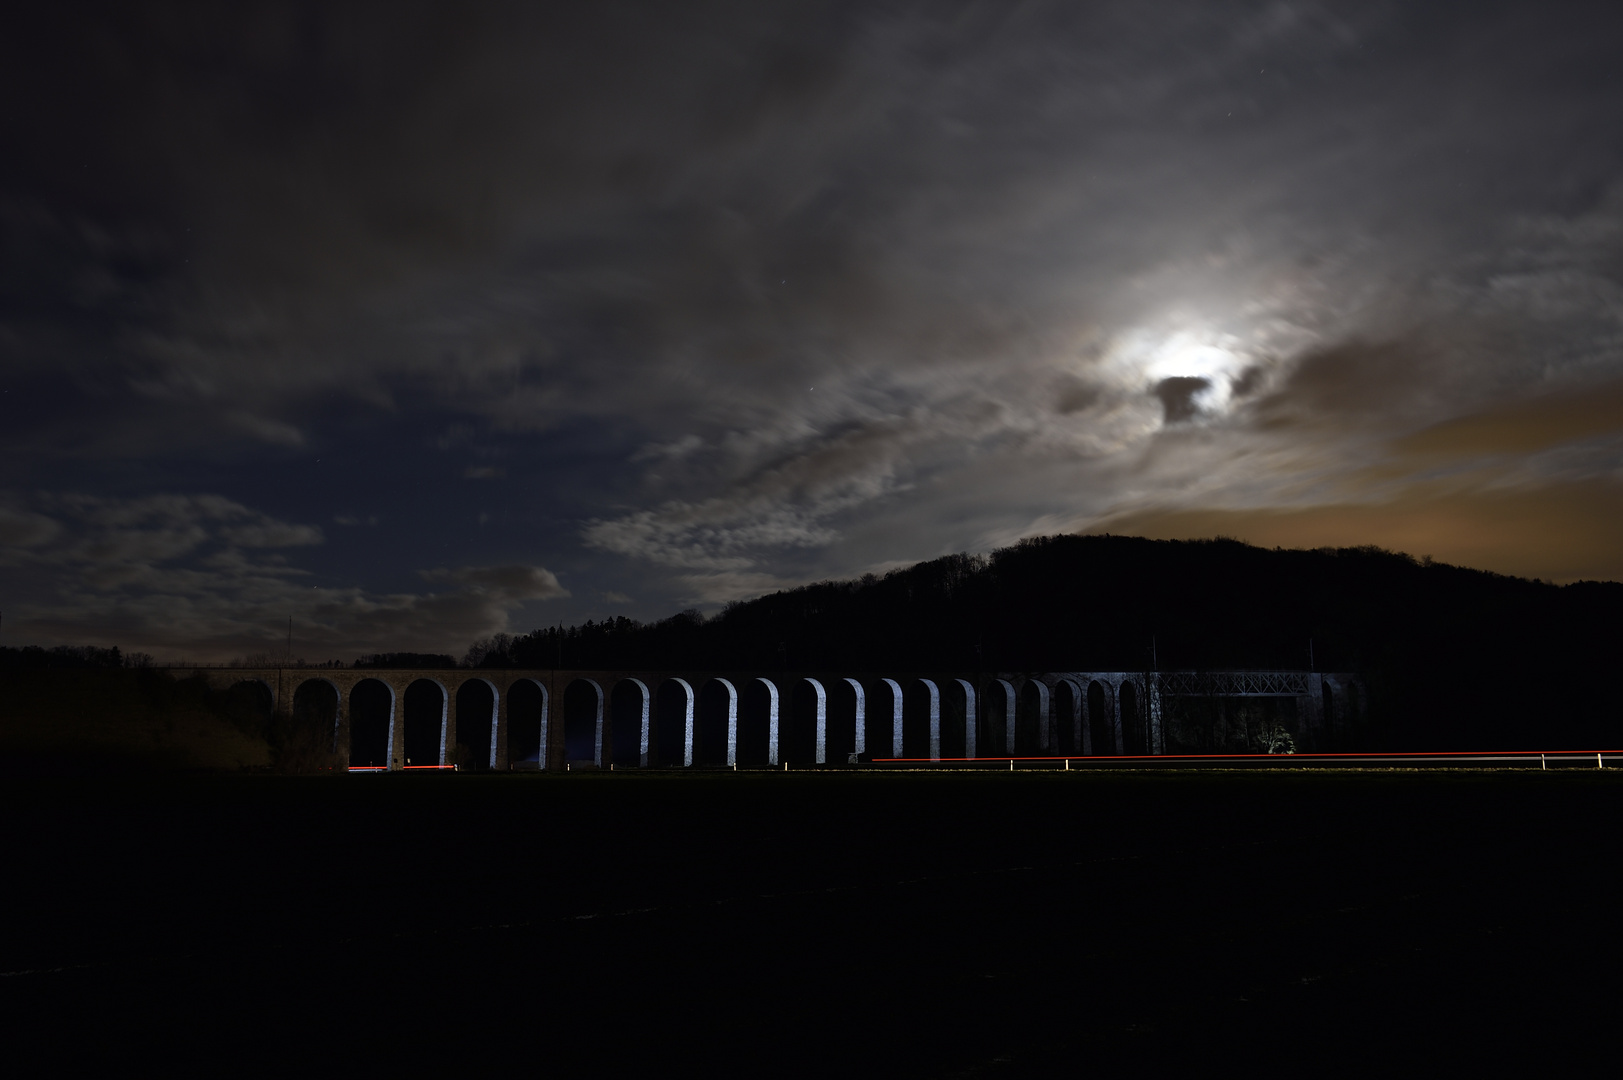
point(832, 715)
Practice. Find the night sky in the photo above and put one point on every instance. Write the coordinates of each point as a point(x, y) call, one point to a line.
point(418, 323)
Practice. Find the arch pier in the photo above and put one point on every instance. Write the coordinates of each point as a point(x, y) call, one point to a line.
point(397, 719)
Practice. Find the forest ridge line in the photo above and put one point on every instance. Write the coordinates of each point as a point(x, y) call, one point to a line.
point(1452, 656)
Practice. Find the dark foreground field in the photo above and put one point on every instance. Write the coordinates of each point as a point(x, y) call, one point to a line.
point(943, 925)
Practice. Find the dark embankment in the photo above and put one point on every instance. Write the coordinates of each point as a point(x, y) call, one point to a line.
point(722, 924)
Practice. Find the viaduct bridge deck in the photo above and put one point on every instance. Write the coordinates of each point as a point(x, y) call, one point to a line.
point(547, 719)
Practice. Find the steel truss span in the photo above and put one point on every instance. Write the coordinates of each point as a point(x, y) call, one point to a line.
point(1236, 683)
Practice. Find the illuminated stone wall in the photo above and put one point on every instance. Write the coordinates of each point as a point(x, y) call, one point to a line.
point(1135, 708)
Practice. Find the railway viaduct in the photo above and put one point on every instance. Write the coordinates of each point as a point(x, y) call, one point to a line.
point(662, 718)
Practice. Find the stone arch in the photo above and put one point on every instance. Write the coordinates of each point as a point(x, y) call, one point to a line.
point(970, 746)
point(859, 725)
point(921, 714)
point(631, 705)
point(583, 721)
point(478, 722)
point(935, 718)
point(802, 722)
point(1130, 718)
point(759, 718)
point(992, 738)
point(956, 705)
point(896, 717)
point(674, 703)
point(1102, 728)
point(716, 737)
point(932, 718)
point(313, 710)
point(252, 703)
point(527, 723)
point(1328, 705)
point(1032, 729)
point(848, 719)
point(1010, 710)
point(373, 705)
point(818, 718)
point(425, 731)
point(1070, 737)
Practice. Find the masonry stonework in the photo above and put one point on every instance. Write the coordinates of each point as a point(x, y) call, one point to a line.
point(1327, 708)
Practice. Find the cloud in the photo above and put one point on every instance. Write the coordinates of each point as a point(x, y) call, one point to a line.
point(214, 616)
point(272, 534)
point(749, 297)
point(267, 430)
point(99, 534)
point(23, 529)
point(1524, 426)
point(678, 448)
point(725, 586)
point(202, 576)
point(790, 489)
point(1561, 532)
point(108, 538)
point(1351, 383)
point(509, 582)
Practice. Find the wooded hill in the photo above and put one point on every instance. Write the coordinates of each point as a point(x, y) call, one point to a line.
point(1454, 658)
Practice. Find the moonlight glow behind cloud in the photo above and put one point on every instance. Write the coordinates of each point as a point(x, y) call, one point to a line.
point(416, 323)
